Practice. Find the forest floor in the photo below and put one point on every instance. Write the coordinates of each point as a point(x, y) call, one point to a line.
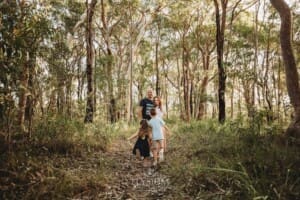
point(132, 180)
point(95, 174)
point(216, 165)
point(36, 172)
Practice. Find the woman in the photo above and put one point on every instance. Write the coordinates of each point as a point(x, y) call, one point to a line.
point(158, 107)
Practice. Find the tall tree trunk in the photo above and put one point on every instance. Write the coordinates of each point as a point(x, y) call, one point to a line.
point(268, 96)
point(89, 62)
point(191, 94)
point(220, 25)
point(239, 100)
point(232, 97)
point(80, 81)
point(255, 63)
point(23, 92)
point(203, 87)
point(108, 66)
point(279, 91)
point(292, 77)
point(69, 95)
point(157, 85)
point(166, 94)
point(32, 98)
point(95, 82)
point(186, 80)
point(130, 104)
point(179, 83)
point(60, 101)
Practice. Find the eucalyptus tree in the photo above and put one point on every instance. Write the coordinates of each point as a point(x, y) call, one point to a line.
point(191, 44)
point(140, 16)
point(24, 26)
point(89, 115)
point(205, 43)
point(61, 54)
point(171, 67)
point(115, 37)
point(292, 77)
point(109, 19)
point(242, 55)
point(182, 20)
point(297, 36)
point(161, 38)
point(220, 26)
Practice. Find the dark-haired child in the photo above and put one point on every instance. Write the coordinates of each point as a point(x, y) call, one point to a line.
point(142, 145)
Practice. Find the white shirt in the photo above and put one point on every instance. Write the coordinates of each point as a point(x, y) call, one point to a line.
point(159, 113)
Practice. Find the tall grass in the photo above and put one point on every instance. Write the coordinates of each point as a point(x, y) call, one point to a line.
point(64, 159)
point(64, 135)
point(236, 160)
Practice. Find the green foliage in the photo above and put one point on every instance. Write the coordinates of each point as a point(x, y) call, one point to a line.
point(66, 136)
point(57, 127)
point(234, 161)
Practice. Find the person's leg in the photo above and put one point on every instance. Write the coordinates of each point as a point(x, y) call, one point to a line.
point(147, 162)
point(155, 152)
point(138, 154)
point(161, 151)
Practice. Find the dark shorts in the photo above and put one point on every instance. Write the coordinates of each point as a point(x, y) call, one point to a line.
point(143, 146)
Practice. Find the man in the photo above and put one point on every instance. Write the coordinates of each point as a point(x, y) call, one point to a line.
point(145, 105)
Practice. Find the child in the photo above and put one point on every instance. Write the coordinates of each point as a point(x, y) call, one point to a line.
point(157, 124)
point(141, 148)
point(159, 113)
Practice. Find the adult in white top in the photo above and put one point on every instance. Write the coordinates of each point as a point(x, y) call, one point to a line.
point(158, 107)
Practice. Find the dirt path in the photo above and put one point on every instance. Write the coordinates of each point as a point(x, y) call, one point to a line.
point(132, 180)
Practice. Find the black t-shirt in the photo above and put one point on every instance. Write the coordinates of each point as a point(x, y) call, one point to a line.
point(147, 104)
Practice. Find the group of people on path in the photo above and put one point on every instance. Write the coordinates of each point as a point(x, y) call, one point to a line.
point(151, 136)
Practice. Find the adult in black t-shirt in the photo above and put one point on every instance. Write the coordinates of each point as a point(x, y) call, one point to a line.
point(146, 104)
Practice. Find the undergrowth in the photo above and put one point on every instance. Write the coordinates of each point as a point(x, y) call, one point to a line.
point(63, 159)
point(236, 160)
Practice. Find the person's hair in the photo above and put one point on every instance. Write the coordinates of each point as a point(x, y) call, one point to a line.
point(152, 112)
point(144, 128)
point(149, 89)
point(159, 102)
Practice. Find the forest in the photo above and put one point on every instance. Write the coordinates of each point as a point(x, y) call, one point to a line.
point(74, 72)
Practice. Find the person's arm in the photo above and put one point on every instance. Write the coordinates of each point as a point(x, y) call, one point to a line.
point(140, 110)
point(149, 137)
point(135, 135)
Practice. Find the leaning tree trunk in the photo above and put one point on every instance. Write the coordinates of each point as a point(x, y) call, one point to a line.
point(220, 25)
point(292, 78)
point(89, 62)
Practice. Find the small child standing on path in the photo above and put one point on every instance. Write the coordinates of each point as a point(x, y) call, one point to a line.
point(157, 124)
point(142, 146)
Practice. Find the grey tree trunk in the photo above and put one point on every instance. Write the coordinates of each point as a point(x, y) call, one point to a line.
point(292, 77)
point(220, 25)
point(90, 62)
point(24, 77)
